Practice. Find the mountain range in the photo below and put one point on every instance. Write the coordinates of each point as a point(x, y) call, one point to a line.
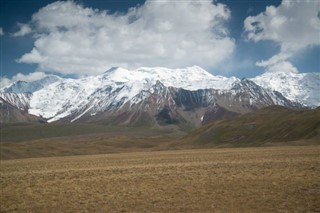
point(154, 96)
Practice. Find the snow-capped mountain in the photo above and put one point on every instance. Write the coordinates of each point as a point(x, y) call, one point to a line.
point(29, 87)
point(157, 95)
point(298, 87)
point(113, 88)
point(257, 96)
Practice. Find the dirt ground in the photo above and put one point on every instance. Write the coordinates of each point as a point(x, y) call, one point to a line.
point(269, 179)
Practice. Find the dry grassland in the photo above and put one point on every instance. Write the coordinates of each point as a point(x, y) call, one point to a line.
point(273, 179)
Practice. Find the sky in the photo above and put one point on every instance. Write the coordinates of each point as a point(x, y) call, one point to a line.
point(242, 38)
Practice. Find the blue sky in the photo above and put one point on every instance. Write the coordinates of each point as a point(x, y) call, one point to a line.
point(226, 37)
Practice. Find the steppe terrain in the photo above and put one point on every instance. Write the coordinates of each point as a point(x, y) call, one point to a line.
point(265, 179)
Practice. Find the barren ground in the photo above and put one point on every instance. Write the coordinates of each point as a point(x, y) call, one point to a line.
point(269, 179)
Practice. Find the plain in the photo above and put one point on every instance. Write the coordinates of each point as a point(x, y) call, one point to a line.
point(265, 179)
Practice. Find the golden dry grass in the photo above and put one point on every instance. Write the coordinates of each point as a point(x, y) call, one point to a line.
point(273, 179)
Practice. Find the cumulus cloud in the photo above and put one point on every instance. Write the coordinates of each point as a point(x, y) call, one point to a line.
point(71, 38)
point(1, 31)
point(294, 25)
point(24, 30)
point(4, 81)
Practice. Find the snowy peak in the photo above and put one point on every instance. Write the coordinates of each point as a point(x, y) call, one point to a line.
point(30, 87)
point(298, 87)
point(118, 74)
point(244, 85)
point(191, 78)
point(261, 96)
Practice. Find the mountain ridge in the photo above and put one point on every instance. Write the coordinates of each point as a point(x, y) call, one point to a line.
point(188, 95)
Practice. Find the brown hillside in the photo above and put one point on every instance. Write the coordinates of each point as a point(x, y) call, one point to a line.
point(268, 125)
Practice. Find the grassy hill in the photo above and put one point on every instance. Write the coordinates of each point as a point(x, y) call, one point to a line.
point(26, 140)
point(22, 132)
point(269, 125)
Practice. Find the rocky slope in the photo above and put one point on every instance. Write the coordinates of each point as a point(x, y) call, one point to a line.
point(13, 114)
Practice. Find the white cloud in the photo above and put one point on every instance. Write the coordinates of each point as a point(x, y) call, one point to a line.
point(1, 31)
point(29, 77)
point(283, 66)
point(75, 39)
point(24, 30)
point(4, 81)
point(294, 25)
